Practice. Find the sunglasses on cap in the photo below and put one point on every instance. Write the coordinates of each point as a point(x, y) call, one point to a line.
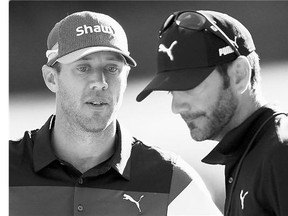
point(197, 21)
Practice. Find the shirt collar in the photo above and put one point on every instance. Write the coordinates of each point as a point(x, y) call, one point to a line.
point(43, 153)
point(235, 141)
point(121, 159)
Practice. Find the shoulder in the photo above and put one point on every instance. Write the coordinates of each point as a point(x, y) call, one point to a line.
point(274, 136)
point(150, 167)
point(274, 163)
point(180, 172)
point(277, 154)
point(275, 149)
point(21, 147)
point(180, 166)
point(153, 152)
point(277, 138)
point(27, 137)
point(282, 129)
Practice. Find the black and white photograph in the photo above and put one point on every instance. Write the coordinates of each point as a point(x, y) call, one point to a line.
point(147, 108)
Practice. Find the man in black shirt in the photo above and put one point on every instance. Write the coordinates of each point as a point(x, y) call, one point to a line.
point(82, 161)
point(207, 60)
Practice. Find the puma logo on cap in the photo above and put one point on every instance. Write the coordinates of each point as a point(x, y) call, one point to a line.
point(164, 49)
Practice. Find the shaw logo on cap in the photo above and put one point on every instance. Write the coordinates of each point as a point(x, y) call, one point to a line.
point(163, 48)
point(94, 29)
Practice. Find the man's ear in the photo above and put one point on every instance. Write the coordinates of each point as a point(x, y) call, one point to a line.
point(128, 71)
point(240, 74)
point(50, 77)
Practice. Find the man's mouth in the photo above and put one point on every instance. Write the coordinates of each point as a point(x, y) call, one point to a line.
point(192, 117)
point(97, 103)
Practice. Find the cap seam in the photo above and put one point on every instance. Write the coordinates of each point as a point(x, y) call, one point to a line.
point(60, 38)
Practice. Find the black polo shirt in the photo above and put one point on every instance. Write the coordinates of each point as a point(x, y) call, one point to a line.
point(256, 167)
point(137, 179)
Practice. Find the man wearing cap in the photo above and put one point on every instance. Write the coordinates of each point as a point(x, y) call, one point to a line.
point(207, 60)
point(82, 161)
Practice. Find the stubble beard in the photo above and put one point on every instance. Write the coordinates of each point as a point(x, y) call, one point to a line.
point(221, 114)
point(95, 124)
point(75, 118)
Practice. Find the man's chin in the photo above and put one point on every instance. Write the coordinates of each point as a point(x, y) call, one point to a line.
point(95, 128)
point(199, 135)
point(95, 125)
point(196, 135)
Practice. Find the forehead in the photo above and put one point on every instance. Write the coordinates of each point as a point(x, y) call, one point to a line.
point(104, 55)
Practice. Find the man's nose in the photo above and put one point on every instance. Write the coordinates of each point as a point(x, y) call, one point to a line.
point(98, 81)
point(179, 104)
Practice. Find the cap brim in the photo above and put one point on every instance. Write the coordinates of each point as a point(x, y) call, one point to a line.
point(178, 80)
point(71, 57)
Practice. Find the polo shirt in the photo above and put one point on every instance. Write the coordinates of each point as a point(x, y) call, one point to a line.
point(255, 155)
point(137, 179)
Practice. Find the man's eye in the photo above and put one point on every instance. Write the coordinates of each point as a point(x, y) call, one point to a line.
point(112, 69)
point(83, 69)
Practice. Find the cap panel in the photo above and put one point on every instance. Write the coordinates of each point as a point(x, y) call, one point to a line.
point(84, 30)
point(87, 29)
point(215, 47)
point(185, 53)
point(196, 52)
point(234, 29)
point(53, 36)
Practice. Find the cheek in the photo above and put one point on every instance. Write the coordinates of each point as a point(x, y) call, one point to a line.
point(118, 85)
point(115, 92)
point(68, 90)
point(204, 102)
point(210, 101)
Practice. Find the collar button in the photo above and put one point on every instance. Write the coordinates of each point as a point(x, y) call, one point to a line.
point(80, 181)
point(230, 180)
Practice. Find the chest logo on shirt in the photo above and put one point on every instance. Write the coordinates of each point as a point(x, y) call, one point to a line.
point(137, 203)
point(242, 197)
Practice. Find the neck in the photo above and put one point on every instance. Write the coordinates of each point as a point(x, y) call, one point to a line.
point(83, 149)
point(246, 107)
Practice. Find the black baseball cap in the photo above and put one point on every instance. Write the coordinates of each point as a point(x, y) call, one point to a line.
point(186, 57)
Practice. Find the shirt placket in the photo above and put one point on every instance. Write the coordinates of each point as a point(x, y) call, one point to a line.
point(79, 197)
point(230, 178)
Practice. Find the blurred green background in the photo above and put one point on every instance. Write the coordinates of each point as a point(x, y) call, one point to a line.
point(31, 103)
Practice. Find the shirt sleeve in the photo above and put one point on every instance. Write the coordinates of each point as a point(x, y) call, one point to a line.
point(188, 193)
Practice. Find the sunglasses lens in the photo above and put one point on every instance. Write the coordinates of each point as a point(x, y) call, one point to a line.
point(195, 21)
point(191, 20)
